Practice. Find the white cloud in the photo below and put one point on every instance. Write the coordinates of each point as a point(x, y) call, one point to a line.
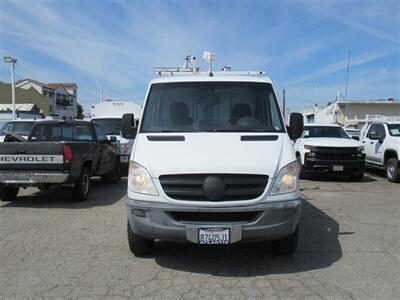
point(342, 64)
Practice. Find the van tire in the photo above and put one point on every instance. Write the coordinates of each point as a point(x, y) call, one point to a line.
point(81, 189)
point(392, 170)
point(114, 175)
point(286, 246)
point(138, 244)
point(9, 193)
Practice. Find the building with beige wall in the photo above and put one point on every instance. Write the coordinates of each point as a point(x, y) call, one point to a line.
point(352, 113)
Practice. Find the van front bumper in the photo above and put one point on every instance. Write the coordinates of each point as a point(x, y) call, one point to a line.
point(264, 221)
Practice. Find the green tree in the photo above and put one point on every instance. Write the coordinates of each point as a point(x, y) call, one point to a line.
point(79, 114)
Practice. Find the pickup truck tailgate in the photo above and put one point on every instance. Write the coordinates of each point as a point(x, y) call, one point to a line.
point(32, 156)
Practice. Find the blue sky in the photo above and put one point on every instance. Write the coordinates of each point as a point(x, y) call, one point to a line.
point(114, 45)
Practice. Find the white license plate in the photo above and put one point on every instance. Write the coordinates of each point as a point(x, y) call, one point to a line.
point(338, 168)
point(211, 236)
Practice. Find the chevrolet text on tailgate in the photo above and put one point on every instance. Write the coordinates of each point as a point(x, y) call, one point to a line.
point(58, 153)
point(212, 162)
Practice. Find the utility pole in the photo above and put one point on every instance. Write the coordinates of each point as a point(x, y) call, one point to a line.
point(12, 61)
point(347, 77)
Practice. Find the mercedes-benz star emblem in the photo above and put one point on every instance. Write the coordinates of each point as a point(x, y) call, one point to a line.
point(214, 187)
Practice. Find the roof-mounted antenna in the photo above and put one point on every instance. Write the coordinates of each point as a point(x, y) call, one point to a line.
point(209, 57)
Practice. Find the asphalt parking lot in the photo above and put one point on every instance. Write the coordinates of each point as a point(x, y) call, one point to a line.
point(349, 248)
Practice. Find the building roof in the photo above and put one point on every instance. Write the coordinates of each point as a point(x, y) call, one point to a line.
point(24, 96)
point(51, 85)
point(19, 107)
point(380, 101)
point(311, 111)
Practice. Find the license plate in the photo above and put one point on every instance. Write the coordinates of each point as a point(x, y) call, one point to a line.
point(213, 236)
point(337, 168)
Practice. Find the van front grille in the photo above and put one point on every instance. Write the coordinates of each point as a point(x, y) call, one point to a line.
point(214, 217)
point(214, 187)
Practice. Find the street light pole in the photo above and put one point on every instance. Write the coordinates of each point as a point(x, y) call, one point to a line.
point(12, 62)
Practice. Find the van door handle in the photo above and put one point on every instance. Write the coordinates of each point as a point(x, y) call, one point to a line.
point(371, 143)
point(363, 142)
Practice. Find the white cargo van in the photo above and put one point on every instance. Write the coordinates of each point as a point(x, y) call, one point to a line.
point(212, 163)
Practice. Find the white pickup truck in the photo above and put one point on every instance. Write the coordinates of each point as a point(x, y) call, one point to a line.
point(382, 147)
point(212, 162)
point(328, 149)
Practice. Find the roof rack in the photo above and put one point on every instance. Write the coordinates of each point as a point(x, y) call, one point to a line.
point(189, 66)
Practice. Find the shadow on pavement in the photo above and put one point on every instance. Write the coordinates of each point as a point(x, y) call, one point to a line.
point(318, 248)
point(59, 197)
point(339, 178)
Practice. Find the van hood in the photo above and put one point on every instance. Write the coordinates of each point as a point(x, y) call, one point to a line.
point(332, 142)
point(212, 153)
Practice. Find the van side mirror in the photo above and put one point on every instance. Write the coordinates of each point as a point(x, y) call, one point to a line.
point(128, 126)
point(296, 125)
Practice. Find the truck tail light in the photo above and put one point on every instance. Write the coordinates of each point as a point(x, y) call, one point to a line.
point(67, 153)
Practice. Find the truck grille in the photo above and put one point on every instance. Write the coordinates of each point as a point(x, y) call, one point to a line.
point(230, 187)
point(336, 153)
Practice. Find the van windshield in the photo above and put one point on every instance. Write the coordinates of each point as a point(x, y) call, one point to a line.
point(20, 128)
point(111, 126)
point(324, 132)
point(211, 107)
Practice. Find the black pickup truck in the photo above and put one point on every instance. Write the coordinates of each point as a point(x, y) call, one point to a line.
point(58, 153)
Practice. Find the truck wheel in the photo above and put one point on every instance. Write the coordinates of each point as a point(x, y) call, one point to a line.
point(81, 189)
point(286, 246)
point(357, 176)
point(9, 193)
point(302, 174)
point(114, 175)
point(138, 244)
point(392, 170)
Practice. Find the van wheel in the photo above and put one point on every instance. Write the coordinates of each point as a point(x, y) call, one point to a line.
point(81, 189)
point(9, 193)
point(392, 170)
point(302, 174)
point(114, 175)
point(138, 244)
point(286, 246)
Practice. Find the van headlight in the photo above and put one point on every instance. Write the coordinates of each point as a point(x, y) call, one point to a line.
point(139, 180)
point(287, 179)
